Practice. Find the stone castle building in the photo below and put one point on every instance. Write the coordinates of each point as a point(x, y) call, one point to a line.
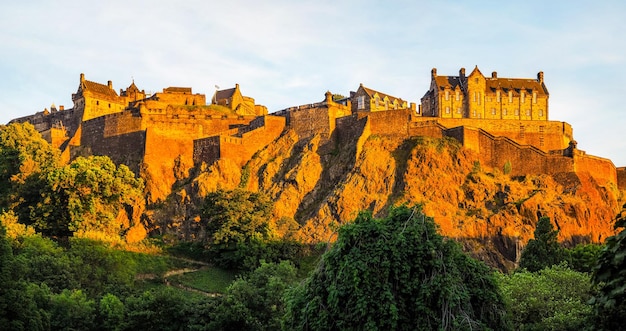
point(477, 96)
point(164, 135)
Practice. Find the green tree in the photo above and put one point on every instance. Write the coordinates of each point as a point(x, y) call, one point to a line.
point(256, 302)
point(72, 310)
point(238, 226)
point(609, 274)
point(583, 257)
point(542, 251)
point(396, 273)
point(554, 298)
point(87, 195)
point(110, 313)
point(160, 309)
point(25, 159)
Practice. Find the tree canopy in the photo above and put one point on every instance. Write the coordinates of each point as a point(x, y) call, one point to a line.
point(542, 251)
point(396, 273)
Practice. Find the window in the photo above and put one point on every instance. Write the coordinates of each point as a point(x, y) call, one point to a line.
point(447, 110)
point(458, 110)
point(523, 96)
point(475, 96)
point(493, 111)
point(516, 112)
point(540, 112)
point(504, 112)
point(360, 102)
point(474, 113)
point(527, 112)
point(376, 101)
point(479, 97)
point(457, 95)
point(498, 96)
point(510, 96)
point(534, 97)
point(447, 95)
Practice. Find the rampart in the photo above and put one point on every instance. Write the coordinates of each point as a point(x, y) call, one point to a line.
point(239, 145)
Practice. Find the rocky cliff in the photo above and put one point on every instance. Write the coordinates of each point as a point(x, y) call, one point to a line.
point(323, 183)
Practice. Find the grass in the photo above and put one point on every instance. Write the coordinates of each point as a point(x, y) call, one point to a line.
point(211, 279)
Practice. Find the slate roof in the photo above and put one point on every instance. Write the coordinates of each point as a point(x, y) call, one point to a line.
point(224, 94)
point(371, 93)
point(98, 88)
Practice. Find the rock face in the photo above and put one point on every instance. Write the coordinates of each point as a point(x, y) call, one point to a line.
point(324, 183)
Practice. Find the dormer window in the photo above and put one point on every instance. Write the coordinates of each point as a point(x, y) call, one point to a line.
point(447, 95)
point(498, 96)
point(523, 96)
point(510, 96)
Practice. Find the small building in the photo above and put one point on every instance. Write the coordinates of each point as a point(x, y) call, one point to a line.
point(233, 99)
point(366, 99)
point(479, 97)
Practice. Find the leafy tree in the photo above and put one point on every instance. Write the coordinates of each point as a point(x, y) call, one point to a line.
point(159, 309)
point(554, 298)
point(87, 195)
point(25, 159)
point(237, 222)
point(110, 313)
point(543, 251)
point(255, 302)
point(583, 257)
point(72, 310)
point(396, 273)
point(610, 275)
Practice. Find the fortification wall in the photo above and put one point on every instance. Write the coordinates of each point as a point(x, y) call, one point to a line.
point(118, 136)
point(545, 135)
point(262, 132)
point(391, 122)
point(308, 121)
point(621, 178)
point(601, 169)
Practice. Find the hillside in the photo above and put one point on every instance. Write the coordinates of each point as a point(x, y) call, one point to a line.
point(323, 183)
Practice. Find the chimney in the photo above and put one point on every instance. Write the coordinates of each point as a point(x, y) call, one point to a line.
point(494, 75)
point(61, 107)
point(82, 77)
point(433, 72)
point(540, 77)
point(110, 84)
point(462, 73)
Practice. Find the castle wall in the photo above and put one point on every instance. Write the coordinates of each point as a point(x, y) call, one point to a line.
point(390, 122)
point(261, 132)
point(118, 136)
point(621, 178)
point(545, 135)
point(601, 169)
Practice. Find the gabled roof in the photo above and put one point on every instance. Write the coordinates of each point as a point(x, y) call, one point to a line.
point(370, 92)
point(516, 85)
point(448, 81)
point(94, 87)
point(132, 87)
point(225, 94)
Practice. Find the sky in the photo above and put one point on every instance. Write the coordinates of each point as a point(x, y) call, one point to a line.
point(289, 53)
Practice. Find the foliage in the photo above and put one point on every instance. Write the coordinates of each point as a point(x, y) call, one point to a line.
point(72, 310)
point(87, 195)
point(25, 159)
point(239, 230)
point(255, 302)
point(583, 257)
point(162, 309)
point(554, 298)
point(396, 273)
point(542, 251)
point(507, 167)
point(610, 275)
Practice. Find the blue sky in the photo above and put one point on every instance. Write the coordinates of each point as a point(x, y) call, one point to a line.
point(287, 53)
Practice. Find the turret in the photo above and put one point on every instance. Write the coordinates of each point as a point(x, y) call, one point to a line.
point(494, 75)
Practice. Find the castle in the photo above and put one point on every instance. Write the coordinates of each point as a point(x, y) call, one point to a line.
point(164, 135)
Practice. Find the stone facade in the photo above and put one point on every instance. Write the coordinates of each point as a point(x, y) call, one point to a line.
point(366, 99)
point(479, 97)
